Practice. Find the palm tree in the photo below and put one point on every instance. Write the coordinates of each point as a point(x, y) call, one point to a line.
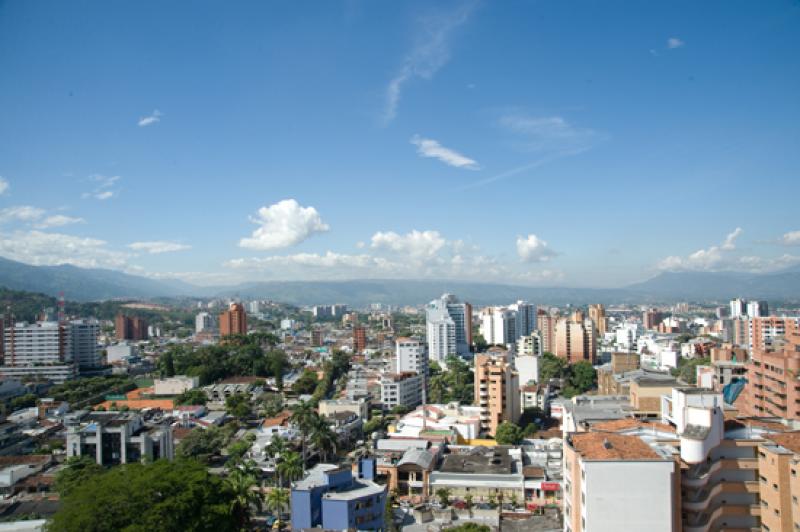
point(290, 467)
point(323, 437)
point(242, 484)
point(277, 500)
point(304, 417)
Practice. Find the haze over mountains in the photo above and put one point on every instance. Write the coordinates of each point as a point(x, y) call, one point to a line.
point(80, 284)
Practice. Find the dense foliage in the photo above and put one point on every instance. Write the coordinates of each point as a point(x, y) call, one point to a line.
point(456, 384)
point(508, 433)
point(162, 496)
point(90, 390)
point(687, 368)
point(202, 444)
point(239, 355)
point(581, 377)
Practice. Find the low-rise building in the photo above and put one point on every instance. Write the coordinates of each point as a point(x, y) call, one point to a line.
point(330, 407)
point(175, 385)
point(401, 389)
point(113, 438)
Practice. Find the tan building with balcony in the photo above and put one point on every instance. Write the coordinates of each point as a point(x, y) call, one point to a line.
point(496, 391)
point(773, 388)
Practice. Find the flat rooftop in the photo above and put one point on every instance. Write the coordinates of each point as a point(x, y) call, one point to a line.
point(481, 461)
point(609, 446)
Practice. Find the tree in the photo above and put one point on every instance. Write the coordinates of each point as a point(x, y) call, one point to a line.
point(551, 367)
point(201, 444)
point(582, 376)
point(238, 405)
point(508, 434)
point(323, 438)
point(241, 485)
point(237, 451)
point(158, 497)
point(530, 429)
point(469, 527)
point(291, 466)
point(687, 368)
point(167, 365)
point(306, 383)
point(443, 494)
point(271, 404)
point(304, 417)
point(24, 401)
point(78, 470)
point(277, 500)
point(192, 397)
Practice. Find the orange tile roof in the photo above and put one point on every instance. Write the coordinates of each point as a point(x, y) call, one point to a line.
point(140, 404)
point(611, 446)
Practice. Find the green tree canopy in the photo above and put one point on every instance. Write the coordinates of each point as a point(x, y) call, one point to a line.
point(192, 397)
point(508, 433)
point(202, 444)
point(159, 497)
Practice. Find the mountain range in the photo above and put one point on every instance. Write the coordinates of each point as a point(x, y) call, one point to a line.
point(82, 284)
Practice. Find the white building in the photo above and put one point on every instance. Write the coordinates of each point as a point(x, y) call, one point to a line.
point(85, 350)
point(42, 350)
point(203, 322)
point(465, 420)
point(498, 325)
point(449, 328)
point(528, 368)
point(401, 389)
point(627, 336)
point(757, 309)
point(410, 355)
point(175, 385)
point(738, 308)
point(530, 345)
point(120, 352)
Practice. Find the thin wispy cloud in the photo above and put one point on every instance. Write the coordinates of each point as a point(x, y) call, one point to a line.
point(674, 42)
point(102, 190)
point(432, 149)
point(150, 119)
point(3, 185)
point(158, 246)
point(429, 54)
point(58, 220)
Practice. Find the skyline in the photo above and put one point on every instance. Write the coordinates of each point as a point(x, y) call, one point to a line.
point(610, 143)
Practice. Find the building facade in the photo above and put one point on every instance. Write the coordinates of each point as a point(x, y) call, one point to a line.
point(496, 391)
point(233, 320)
point(449, 328)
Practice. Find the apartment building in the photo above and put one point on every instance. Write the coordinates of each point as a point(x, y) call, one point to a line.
point(449, 328)
point(765, 332)
point(546, 325)
point(130, 328)
point(233, 320)
point(410, 355)
point(496, 391)
point(597, 313)
point(498, 325)
point(401, 389)
point(779, 482)
point(359, 339)
point(43, 350)
point(575, 340)
point(772, 387)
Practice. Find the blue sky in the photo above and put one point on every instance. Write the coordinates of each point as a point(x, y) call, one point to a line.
point(555, 143)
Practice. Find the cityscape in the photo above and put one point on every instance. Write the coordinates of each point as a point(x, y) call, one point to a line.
point(457, 266)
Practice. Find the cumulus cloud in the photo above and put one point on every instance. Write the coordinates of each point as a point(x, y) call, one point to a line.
point(792, 238)
point(432, 148)
point(415, 244)
point(150, 119)
point(21, 213)
point(430, 53)
point(533, 249)
point(674, 42)
point(283, 224)
point(158, 246)
point(3, 185)
point(48, 249)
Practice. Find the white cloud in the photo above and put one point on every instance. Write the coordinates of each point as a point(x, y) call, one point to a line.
point(329, 260)
point(58, 220)
point(430, 53)
point(416, 244)
point(151, 119)
point(158, 246)
point(533, 249)
point(722, 257)
point(548, 133)
point(283, 224)
point(432, 148)
point(3, 185)
point(21, 213)
point(102, 185)
point(792, 238)
point(48, 249)
point(674, 42)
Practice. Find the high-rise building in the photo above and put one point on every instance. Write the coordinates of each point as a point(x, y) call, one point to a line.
point(738, 308)
point(338, 310)
point(41, 350)
point(575, 340)
point(525, 318)
point(233, 320)
point(401, 389)
point(597, 313)
point(85, 351)
point(317, 339)
point(757, 309)
point(410, 355)
point(449, 328)
point(771, 389)
point(651, 318)
point(203, 322)
point(496, 391)
point(546, 325)
point(359, 339)
point(322, 311)
point(130, 328)
point(764, 332)
point(498, 325)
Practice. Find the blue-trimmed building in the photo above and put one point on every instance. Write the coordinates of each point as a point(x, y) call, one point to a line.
point(331, 497)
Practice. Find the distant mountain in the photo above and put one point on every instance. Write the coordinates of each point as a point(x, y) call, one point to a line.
point(706, 286)
point(413, 292)
point(81, 284)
